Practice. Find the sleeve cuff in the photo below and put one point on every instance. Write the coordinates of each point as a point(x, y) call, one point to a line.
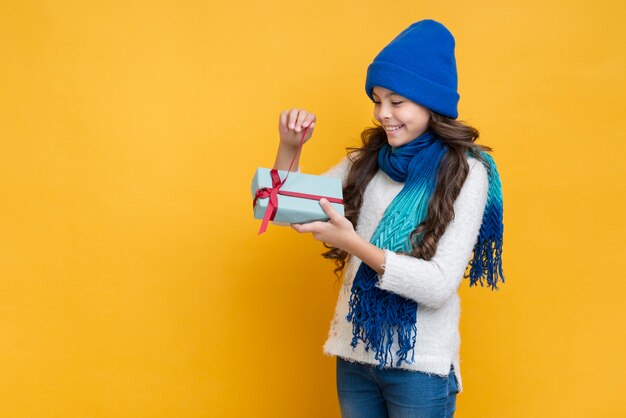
point(391, 279)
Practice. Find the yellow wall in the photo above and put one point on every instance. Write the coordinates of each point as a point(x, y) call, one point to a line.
point(132, 279)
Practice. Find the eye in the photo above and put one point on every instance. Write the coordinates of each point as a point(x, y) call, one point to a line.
point(375, 102)
point(396, 103)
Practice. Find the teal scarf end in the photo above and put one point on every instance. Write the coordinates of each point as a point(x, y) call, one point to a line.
point(379, 318)
point(486, 264)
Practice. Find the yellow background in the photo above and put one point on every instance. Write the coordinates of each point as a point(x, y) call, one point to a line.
point(132, 279)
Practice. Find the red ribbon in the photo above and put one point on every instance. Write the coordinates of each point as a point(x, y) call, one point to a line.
point(274, 191)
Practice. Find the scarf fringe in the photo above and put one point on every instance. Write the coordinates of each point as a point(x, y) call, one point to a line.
point(372, 313)
point(487, 262)
point(376, 314)
point(487, 259)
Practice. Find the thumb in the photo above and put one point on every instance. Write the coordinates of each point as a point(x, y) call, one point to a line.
point(328, 209)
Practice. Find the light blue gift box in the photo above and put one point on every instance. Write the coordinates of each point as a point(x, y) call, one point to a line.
point(294, 209)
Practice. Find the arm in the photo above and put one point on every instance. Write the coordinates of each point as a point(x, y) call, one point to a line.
point(292, 126)
point(284, 156)
point(432, 282)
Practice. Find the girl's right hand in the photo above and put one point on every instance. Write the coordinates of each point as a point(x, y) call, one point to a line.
point(291, 124)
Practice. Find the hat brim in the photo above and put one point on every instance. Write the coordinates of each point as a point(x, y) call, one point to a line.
point(437, 97)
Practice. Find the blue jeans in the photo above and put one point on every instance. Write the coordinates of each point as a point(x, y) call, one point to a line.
point(365, 391)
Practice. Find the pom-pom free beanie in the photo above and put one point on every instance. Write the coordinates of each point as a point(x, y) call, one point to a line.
point(420, 65)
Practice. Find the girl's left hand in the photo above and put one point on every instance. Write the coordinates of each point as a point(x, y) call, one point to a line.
point(338, 231)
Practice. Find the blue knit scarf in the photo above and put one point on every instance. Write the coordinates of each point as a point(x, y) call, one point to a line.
point(377, 314)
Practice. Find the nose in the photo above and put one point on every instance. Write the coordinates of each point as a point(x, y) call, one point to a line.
point(383, 111)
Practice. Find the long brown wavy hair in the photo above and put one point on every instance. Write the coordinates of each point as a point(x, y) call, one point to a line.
point(458, 138)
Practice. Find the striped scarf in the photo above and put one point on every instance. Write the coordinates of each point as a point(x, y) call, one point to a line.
point(377, 314)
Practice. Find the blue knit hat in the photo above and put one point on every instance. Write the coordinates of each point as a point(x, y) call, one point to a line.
point(419, 64)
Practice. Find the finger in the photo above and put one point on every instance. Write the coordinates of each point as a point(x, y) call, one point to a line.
point(311, 227)
point(283, 120)
point(293, 116)
point(301, 116)
point(329, 209)
point(309, 120)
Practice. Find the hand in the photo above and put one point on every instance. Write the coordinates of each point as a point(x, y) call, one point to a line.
point(291, 124)
point(338, 231)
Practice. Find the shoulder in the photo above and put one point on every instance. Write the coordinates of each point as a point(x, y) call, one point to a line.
point(477, 168)
point(486, 165)
point(337, 168)
point(341, 167)
point(475, 189)
point(473, 161)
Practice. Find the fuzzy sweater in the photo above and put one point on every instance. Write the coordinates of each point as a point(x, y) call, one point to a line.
point(433, 284)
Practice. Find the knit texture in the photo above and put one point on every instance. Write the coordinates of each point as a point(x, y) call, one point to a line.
point(431, 284)
point(420, 65)
point(378, 317)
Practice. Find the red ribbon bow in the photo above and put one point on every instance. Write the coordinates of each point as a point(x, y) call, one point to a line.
point(274, 191)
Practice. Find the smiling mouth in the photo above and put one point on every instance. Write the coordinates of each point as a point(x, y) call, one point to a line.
point(392, 129)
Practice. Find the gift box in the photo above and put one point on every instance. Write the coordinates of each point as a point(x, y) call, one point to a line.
point(286, 197)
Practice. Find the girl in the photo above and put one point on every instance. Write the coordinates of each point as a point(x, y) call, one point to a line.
point(420, 197)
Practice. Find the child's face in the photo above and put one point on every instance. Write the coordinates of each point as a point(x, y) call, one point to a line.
point(392, 110)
